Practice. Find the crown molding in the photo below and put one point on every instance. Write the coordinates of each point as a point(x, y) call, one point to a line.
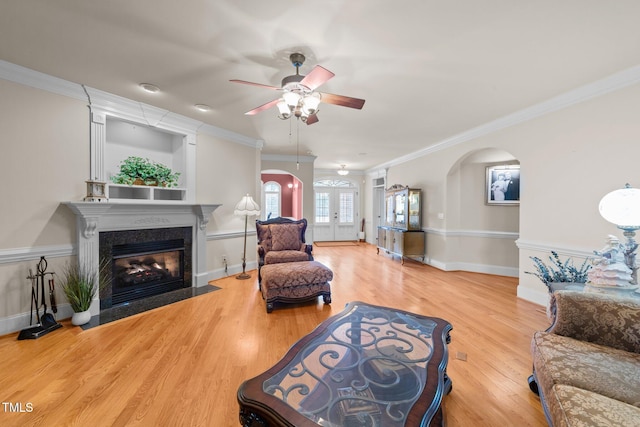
point(117, 106)
point(231, 136)
point(333, 172)
point(598, 88)
point(288, 158)
point(28, 77)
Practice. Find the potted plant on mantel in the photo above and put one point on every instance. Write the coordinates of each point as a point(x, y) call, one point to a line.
point(559, 272)
point(80, 285)
point(138, 171)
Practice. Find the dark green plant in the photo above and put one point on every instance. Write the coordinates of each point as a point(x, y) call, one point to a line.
point(80, 285)
point(559, 271)
point(151, 173)
point(164, 176)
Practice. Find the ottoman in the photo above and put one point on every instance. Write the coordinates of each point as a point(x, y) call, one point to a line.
point(295, 282)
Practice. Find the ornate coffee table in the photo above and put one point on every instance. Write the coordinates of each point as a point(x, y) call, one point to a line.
point(367, 366)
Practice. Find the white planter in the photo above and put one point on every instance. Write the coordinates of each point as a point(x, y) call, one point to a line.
point(81, 318)
point(361, 236)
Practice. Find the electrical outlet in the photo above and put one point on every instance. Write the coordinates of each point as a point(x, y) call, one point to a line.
point(224, 259)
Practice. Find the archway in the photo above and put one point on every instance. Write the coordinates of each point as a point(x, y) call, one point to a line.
point(480, 235)
point(289, 194)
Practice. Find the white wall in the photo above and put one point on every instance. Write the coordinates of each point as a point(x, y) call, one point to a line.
point(45, 161)
point(226, 171)
point(569, 159)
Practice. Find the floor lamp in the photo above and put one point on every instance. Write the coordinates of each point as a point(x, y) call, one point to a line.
point(246, 207)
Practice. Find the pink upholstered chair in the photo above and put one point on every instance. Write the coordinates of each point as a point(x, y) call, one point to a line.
point(282, 240)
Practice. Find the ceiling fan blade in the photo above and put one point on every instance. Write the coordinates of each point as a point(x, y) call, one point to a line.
point(345, 101)
point(316, 77)
point(312, 119)
point(255, 84)
point(262, 107)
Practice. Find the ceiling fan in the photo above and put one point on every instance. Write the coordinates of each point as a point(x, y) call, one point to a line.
point(300, 98)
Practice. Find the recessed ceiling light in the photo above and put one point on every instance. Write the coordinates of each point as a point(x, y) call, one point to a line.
point(203, 107)
point(148, 87)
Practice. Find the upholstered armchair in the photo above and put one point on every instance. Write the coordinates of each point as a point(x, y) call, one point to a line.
point(282, 240)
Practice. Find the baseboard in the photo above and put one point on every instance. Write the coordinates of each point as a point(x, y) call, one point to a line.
point(534, 296)
point(474, 268)
point(232, 270)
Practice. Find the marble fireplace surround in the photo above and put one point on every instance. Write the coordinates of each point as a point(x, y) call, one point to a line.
point(94, 217)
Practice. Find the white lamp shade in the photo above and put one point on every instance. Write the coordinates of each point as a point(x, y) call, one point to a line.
point(310, 103)
point(622, 207)
point(284, 110)
point(291, 98)
point(247, 206)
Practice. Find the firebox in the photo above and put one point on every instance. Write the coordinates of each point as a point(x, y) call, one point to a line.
point(144, 263)
point(140, 270)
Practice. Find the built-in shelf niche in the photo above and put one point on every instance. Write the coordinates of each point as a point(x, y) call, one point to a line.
point(124, 139)
point(121, 128)
point(123, 193)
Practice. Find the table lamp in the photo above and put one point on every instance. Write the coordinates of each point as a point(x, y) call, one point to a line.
point(246, 207)
point(622, 208)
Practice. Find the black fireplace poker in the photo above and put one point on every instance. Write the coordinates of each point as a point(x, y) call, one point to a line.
point(46, 322)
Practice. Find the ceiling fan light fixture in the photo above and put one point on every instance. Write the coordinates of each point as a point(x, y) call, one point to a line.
point(283, 110)
point(310, 103)
point(292, 99)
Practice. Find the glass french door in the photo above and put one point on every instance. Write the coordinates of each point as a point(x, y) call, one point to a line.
point(335, 214)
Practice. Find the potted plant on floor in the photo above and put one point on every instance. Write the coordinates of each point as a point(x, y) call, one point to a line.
point(80, 285)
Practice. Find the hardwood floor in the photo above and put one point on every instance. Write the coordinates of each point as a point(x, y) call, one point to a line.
point(182, 364)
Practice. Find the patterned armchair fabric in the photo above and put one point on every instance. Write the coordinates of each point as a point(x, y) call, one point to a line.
point(281, 240)
point(587, 364)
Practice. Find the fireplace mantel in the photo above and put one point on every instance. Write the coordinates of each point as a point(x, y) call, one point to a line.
point(94, 217)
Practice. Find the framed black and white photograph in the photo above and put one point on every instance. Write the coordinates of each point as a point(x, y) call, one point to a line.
point(503, 185)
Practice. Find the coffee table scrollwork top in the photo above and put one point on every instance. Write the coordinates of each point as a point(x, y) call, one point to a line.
point(367, 366)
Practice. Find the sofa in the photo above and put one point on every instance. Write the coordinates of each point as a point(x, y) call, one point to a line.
point(282, 240)
point(586, 366)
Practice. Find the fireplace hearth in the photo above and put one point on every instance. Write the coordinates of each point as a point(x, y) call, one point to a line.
point(144, 263)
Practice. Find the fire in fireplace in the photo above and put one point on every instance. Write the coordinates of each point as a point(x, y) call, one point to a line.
point(145, 263)
point(145, 269)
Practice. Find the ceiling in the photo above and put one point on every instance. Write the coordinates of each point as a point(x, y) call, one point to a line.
point(428, 69)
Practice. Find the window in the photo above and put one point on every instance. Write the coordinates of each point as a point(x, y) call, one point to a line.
point(346, 208)
point(322, 207)
point(271, 199)
point(332, 183)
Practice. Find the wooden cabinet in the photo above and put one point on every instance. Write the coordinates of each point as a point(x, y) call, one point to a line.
point(402, 208)
point(404, 243)
point(402, 233)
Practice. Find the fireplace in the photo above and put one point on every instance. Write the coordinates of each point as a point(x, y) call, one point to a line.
point(102, 225)
point(140, 270)
point(144, 263)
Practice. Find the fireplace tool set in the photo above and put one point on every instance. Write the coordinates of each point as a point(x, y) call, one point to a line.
point(45, 322)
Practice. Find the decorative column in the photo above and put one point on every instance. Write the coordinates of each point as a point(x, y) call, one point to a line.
point(98, 141)
point(203, 214)
point(87, 225)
